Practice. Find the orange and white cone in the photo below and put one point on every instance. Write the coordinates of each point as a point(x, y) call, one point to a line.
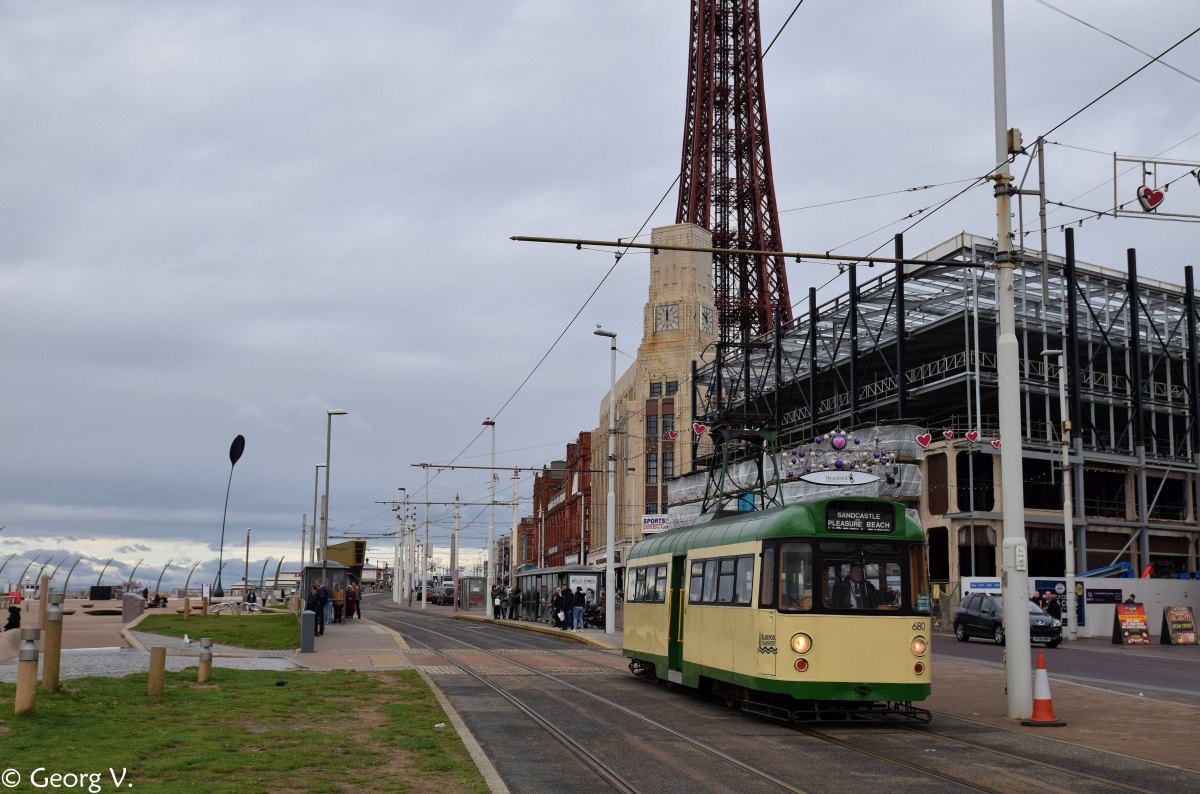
point(1043, 706)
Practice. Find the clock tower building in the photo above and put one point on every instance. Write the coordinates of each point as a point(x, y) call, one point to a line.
point(654, 396)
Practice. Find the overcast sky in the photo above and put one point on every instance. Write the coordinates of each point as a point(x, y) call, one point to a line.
point(222, 218)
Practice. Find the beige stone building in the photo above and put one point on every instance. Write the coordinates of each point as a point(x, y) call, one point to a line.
point(654, 396)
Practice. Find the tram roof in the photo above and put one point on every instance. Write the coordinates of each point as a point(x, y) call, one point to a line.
point(802, 520)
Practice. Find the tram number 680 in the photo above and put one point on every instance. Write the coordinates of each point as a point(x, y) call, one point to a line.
point(919, 626)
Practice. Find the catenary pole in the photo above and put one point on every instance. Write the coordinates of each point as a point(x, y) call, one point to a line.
point(425, 551)
point(491, 541)
point(610, 568)
point(1015, 580)
point(512, 556)
point(1069, 621)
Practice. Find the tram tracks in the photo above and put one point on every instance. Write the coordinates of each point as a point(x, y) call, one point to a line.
point(618, 782)
point(820, 735)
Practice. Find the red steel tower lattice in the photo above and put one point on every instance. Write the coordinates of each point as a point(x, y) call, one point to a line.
point(725, 180)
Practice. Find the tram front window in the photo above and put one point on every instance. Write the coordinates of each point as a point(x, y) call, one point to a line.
point(861, 584)
point(795, 577)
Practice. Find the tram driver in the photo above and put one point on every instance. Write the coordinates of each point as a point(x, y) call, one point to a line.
point(854, 592)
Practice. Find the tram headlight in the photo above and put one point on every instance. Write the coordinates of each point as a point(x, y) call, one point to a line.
point(919, 646)
point(801, 643)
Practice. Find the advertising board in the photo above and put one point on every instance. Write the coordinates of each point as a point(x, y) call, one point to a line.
point(1130, 626)
point(1179, 626)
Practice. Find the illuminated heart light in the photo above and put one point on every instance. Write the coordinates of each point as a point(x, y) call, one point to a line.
point(672, 434)
point(699, 429)
point(1150, 198)
point(973, 436)
point(838, 442)
point(924, 440)
point(996, 443)
point(948, 434)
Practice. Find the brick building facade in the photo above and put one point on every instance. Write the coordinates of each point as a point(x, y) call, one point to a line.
point(562, 495)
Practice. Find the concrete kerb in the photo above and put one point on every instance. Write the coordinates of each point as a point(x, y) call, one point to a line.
point(538, 628)
point(482, 762)
point(129, 638)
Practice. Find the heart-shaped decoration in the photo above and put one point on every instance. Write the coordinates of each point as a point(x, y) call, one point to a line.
point(699, 429)
point(672, 434)
point(1150, 198)
point(948, 434)
point(924, 440)
point(838, 442)
point(972, 436)
point(996, 443)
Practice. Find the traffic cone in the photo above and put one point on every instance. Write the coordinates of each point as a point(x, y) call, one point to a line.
point(1043, 707)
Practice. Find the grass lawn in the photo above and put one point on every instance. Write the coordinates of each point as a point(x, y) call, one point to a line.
point(269, 632)
point(239, 732)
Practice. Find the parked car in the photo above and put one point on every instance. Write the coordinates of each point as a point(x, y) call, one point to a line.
point(982, 615)
point(442, 594)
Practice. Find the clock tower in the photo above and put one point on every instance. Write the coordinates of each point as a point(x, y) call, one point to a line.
point(654, 396)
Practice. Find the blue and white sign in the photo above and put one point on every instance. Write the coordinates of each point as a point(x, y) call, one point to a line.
point(981, 584)
point(653, 523)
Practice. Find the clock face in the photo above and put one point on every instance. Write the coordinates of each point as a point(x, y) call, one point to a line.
point(666, 318)
point(706, 319)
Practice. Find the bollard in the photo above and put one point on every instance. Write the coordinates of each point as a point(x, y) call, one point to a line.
point(27, 671)
point(203, 605)
point(53, 644)
point(308, 630)
point(205, 660)
point(158, 667)
point(187, 608)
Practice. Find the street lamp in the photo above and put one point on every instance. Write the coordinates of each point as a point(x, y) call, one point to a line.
point(246, 578)
point(325, 508)
point(235, 453)
point(312, 540)
point(1070, 620)
point(610, 569)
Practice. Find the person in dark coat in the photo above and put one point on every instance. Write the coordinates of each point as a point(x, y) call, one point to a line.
point(556, 605)
point(322, 601)
point(579, 602)
point(854, 592)
point(351, 602)
point(14, 619)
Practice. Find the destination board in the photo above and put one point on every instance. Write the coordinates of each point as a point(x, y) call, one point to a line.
point(874, 518)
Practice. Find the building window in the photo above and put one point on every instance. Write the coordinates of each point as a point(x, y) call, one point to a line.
point(668, 464)
point(656, 390)
point(668, 422)
point(651, 508)
point(651, 426)
point(651, 468)
point(672, 388)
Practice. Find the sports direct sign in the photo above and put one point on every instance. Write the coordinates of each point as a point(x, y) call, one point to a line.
point(652, 524)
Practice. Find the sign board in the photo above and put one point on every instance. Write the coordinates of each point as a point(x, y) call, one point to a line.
point(839, 477)
point(1179, 626)
point(207, 590)
point(590, 583)
point(1130, 626)
point(652, 524)
point(873, 518)
point(1059, 588)
point(981, 584)
point(1096, 596)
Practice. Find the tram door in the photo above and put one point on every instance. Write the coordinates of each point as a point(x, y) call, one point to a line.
point(675, 635)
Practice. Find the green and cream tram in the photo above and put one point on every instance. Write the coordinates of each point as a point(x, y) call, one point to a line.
point(807, 611)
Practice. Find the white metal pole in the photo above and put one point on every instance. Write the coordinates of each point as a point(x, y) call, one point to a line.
point(610, 568)
point(454, 541)
point(516, 522)
point(1015, 553)
point(541, 538)
point(425, 561)
point(396, 563)
point(312, 538)
point(489, 582)
point(1069, 619)
point(303, 541)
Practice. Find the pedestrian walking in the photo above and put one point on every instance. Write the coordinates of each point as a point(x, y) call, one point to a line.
point(514, 604)
point(1053, 607)
point(323, 607)
point(497, 607)
point(351, 602)
point(358, 601)
point(556, 608)
point(251, 598)
point(580, 601)
point(339, 603)
point(568, 609)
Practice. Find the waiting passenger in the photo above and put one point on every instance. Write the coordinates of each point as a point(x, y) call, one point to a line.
point(854, 592)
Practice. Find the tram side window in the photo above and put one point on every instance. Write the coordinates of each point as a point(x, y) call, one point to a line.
point(660, 584)
point(920, 582)
point(767, 595)
point(639, 588)
point(725, 588)
point(861, 584)
point(710, 581)
point(744, 587)
point(696, 583)
point(795, 577)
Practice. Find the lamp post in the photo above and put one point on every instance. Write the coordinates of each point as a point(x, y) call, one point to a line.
point(1069, 618)
point(491, 541)
point(397, 584)
point(610, 569)
point(235, 453)
point(325, 507)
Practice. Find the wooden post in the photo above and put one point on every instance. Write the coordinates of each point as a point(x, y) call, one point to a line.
point(27, 671)
point(187, 608)
point(158, 668)
point(45, 589)
point(205, 660)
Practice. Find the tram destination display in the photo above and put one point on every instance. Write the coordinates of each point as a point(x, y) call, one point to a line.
point(871, 518)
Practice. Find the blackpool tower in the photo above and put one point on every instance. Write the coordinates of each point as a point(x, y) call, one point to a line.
point(725, 178)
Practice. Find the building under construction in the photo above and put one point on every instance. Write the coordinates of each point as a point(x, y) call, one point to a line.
point(914, 345)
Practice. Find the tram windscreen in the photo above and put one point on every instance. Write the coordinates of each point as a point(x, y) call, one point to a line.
point(920, 581)
point(861, 584)
point(795, 577)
